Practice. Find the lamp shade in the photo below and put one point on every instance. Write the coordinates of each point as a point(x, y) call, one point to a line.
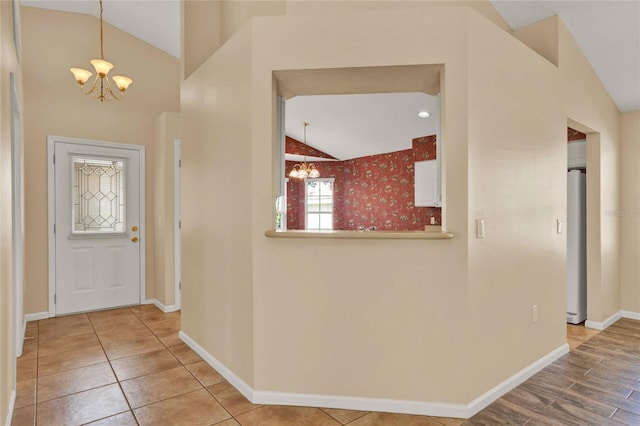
point(314, 173)
point(122, 82)
point(102, 67)
point(81, 75)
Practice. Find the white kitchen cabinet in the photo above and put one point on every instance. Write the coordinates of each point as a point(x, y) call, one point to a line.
point(427, 184)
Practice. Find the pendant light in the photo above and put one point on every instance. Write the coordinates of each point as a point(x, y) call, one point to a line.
point(304, 170)
point(101, 87)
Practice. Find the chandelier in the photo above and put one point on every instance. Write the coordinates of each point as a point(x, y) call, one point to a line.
point(101, 87)
point(304, 170)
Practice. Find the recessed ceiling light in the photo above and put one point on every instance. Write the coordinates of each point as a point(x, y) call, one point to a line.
point(424, 114)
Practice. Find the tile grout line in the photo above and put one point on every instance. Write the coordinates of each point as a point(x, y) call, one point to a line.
point(113, 372)
point(190, 372)
point(168, 348)
point(206, 388)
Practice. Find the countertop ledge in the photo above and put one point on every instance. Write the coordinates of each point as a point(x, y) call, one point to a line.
point(356, 235)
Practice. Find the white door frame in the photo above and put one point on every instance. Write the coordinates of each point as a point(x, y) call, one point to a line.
point(51, 140)
point(177, 260)
point(17, 200)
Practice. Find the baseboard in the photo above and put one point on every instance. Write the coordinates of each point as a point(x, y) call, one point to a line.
point(163, 308)
point(229, 375)
point(171, 308)
point(10, 408)
point(362, 404)
point(630, 315)
point(23, 333)
point(36, 316)
point(464, 411)
point(605, 324)
point(487, 398)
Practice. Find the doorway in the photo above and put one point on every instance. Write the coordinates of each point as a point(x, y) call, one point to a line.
point(96, 225)
point(576, 226)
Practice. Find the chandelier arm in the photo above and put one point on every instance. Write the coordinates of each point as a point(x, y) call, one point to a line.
point(111, 92)
point(101, 91)
point(92, 88)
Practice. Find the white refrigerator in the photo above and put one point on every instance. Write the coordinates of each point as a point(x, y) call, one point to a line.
point(576, 247)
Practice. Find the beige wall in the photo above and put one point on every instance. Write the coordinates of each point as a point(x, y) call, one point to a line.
point(315, 7)
point(542, 37)
point(217, 205)
point(301, 314)
point(211, 23)
point(517, 184)
point(201, 37)
point(8, 64)
point(630, 210)
point(54, 106)
point(347, 307)
point(166, 131)
point(426, 315)
point(589, 107)
point(234, 14)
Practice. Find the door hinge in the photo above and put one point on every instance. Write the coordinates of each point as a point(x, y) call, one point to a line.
point(54, 228)
point(179, 224)
point(55, 299)
point(180, 162)
point(54, 159)
point(180, 285)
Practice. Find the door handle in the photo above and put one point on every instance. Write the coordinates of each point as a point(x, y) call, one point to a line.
point(134, 228)
point(134, 239)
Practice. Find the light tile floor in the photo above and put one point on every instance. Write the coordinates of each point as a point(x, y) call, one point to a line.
point(127, 367)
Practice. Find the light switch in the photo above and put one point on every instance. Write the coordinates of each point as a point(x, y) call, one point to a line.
point(558, 226)
point(479, 228)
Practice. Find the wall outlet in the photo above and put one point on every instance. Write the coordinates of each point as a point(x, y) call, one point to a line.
point(534, 313)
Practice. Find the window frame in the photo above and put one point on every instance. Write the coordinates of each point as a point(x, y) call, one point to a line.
point(320, 212)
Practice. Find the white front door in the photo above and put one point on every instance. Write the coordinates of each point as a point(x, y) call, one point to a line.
point(97, 227)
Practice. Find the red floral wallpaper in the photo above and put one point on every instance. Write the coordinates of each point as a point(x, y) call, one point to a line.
point(377, 190)
point(574, 135)
point(292, 146)
point(295, 199)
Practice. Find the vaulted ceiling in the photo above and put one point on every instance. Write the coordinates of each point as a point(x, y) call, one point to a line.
point(607, 31)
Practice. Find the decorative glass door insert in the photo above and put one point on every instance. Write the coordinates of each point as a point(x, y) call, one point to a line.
point(98, 195)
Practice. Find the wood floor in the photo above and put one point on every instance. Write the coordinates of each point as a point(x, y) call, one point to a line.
point(597, 383)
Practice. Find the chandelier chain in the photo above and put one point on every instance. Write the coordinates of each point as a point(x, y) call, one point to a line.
point(101, 42)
